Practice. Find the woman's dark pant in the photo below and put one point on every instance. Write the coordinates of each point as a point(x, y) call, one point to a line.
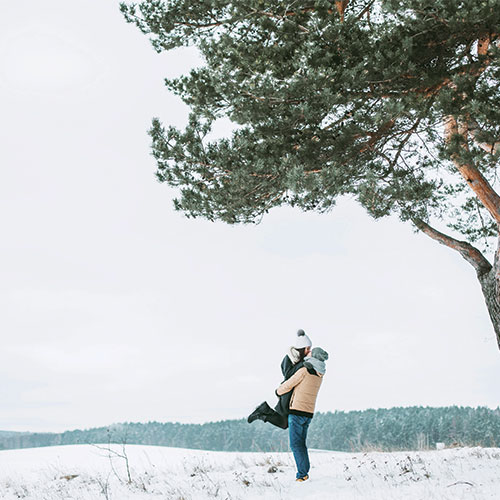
point(298, 426)
point(267, 414)
point(273, 417)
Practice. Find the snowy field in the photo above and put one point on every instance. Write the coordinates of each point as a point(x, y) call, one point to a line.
point(88, 472)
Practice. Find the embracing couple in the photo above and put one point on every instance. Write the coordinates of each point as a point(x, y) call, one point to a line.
point(303, 369)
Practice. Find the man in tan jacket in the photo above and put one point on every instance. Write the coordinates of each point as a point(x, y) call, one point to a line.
point(305, 384)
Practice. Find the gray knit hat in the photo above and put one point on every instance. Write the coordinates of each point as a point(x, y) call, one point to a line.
point(319, 353)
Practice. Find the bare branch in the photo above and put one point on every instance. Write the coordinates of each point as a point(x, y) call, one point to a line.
point(470, 253)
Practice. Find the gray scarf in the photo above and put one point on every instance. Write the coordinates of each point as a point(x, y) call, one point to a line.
point(317, 365)
point(317, 360)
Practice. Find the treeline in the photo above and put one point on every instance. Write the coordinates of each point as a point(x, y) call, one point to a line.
point(384, 429)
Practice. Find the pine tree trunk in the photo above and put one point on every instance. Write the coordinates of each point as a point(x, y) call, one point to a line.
point(490, 288)
point(490, 284)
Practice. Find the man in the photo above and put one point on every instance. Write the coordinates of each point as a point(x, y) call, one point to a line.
point(305, 384)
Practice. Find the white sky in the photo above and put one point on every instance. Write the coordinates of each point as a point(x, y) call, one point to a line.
point(115, 308)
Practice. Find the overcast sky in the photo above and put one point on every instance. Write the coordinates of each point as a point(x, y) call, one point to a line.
point(115, 308)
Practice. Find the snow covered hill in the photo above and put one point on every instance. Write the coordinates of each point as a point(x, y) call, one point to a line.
point(86, 472)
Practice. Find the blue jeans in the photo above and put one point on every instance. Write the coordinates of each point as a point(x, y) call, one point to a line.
point(298, 426)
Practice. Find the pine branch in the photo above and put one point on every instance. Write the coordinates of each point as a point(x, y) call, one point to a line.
point(470, 253)
point(409, 133)
point(366, 10)
point(474, 130)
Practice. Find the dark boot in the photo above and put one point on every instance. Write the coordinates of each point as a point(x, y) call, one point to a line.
point(259, 413)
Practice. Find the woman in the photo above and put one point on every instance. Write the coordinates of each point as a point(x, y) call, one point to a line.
point(293, 361)
point(304, 384)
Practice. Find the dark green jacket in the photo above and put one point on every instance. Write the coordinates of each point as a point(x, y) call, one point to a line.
point(287, 369)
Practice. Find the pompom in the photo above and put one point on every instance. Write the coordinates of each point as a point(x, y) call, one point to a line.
point(301, 333)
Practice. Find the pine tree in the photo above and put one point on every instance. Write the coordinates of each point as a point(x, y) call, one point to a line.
point(395, 103)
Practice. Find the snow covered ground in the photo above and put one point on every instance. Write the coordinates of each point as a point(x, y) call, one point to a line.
point(88, 472)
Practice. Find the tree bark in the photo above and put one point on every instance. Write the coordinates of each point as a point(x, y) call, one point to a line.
point(491, 291)
point(341, 7)
point(489, 286)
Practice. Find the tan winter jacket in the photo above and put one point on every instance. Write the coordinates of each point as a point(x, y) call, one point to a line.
point(305, 391)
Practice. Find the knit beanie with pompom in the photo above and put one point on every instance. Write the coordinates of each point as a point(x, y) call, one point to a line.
point(302, 340)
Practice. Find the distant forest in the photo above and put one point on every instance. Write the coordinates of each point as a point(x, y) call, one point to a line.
point(413, 428)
